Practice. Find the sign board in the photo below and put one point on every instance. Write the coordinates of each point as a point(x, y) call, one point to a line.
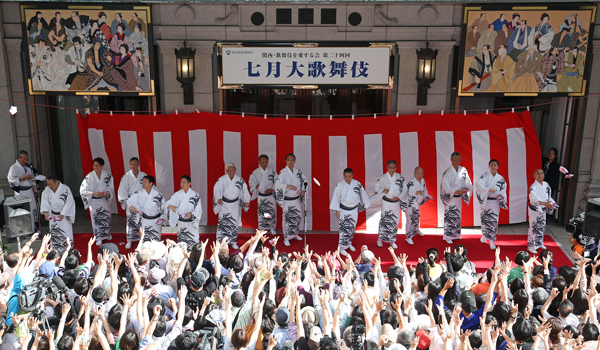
point(308, 66)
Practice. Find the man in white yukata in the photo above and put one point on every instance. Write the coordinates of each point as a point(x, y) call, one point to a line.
point(262, 185)
point(130, 183)
point(290, 192)
point(391, 189)
point(456, 187)
point(491, 195)
point(97, 191)
point(21, 178)
point(58, 207)
point(417, 196)
point(349, 198)
point(185, 212)
point(540, 203)
point(230, 195)
point(147, 205)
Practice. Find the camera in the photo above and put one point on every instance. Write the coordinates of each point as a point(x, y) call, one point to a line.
point(583, 245)
point(576, 224)
point(358, 337)
point(209, 339)
point(32, 297)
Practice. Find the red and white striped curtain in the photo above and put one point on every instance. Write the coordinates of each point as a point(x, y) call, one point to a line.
point(200, 144)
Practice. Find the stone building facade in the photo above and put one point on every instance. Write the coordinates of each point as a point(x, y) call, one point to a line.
point(201, 25)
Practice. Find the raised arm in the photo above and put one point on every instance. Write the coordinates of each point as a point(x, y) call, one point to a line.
point(202, 254)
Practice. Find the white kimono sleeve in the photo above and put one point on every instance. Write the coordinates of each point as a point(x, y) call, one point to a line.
point(197, 214)
point(245, 196)
point(123, 193)
point(13, 177)
point(468, 184)
point(482, 190)
point(446, 186)
point(365, 202)
point(279, 191)
point(425, 193)
point(86, 192)
point(134, 201)
point(174, 201)
point(110, 188)
point(533, 196)
point(376, 198)
point(253, 183)
point(68, 211)
point(335, 199)
point(217, 194)
point(45, 205)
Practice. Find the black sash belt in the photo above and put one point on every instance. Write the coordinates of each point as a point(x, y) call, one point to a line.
point(229, 200)
point(290, 198)
point(148, 217)
point(389, 200)
point(492, 199)
point(534, 208)
point(94, 197)
point(348, 208)
point(186, 219)
point(264, 194)
point(55, 213)
point(23, 188)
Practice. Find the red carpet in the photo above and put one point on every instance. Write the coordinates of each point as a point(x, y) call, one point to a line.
point(478, 253)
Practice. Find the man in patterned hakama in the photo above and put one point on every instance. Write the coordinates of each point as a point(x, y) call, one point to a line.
point(290, 192)
point(185, 212)
point(262, 185)
point(21, 178)
point(349, 198)
point(540, 203)
point(130, 183)
point(456, 187)
point(553, 63)
point(526, 71)
point(147, 205)
point(58, 206)
point(491, 195)
point(417, 196)
point(97, 191)
point(230, 195)
point(391, 189)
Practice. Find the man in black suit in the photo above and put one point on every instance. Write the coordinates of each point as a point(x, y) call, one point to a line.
point(77, 26)
point(57, 18)
point(35, 19)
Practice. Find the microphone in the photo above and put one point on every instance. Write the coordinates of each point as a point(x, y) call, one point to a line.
point(59, 283)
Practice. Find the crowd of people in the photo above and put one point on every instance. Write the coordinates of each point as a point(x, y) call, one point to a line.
point(256, 297)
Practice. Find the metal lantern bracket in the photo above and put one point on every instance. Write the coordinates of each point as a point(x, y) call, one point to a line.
point(186, 71)
point(426, 66)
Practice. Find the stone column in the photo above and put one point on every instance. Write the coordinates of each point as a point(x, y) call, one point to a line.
point(8, 137)
point(203, 86)
point(22, 120)
point(438, 95)
point(588, 174)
